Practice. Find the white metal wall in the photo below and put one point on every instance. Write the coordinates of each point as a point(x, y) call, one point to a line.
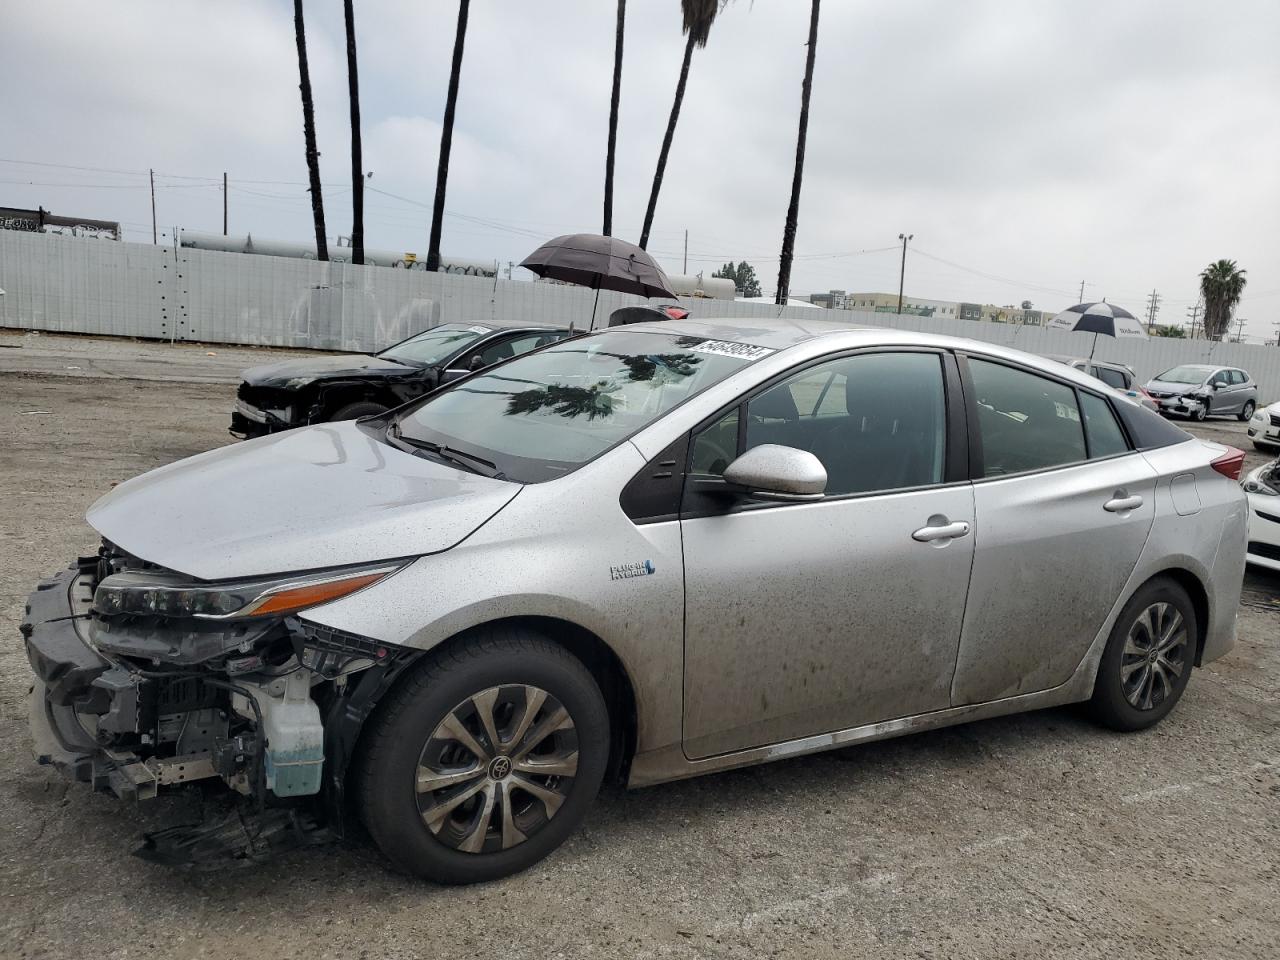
point(79, 285)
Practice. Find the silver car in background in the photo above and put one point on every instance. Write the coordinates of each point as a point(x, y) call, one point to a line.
point(1200, 390)
point(648, 553)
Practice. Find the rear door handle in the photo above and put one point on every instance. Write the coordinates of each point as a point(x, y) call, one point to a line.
point(1122, 504)
point(946, 531)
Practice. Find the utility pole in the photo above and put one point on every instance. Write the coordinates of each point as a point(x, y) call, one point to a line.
point(685, 269)
point(1240, 322)
point(1153, 307)
point(153, 206)
point(1195, 313)
point(902, 274)
point(1081, 300)
point(224, 203)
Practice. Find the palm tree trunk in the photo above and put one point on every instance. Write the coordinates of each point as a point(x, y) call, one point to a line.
point(793, 210)
point(357, 163)
point(613, 120)
point(446, 138)
point(666, 143)
point(309, 132)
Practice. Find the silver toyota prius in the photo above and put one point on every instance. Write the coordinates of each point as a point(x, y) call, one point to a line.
point(652, 552)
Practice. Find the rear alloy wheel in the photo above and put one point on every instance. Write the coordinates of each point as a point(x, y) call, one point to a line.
point(484, 759)
point(1247, 412)
point(1148, 658)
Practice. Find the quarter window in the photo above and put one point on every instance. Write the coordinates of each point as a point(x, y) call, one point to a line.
point(876, 421)
point(1026, 422)
point(1106, 439)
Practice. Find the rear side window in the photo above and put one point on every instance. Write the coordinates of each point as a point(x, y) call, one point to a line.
point(1106, 439)
point(1237, 376)
point(1026, 422)
point(1113, 378)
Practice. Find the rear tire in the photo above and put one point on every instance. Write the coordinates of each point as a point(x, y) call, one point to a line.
point(1246, 413)
point(1148, 659)
point(361, 408)
point(433, 741)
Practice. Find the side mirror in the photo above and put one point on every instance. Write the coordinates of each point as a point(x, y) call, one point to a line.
point(774, 472)
point(477, 363)
point(1217, 384)
point(452, 374)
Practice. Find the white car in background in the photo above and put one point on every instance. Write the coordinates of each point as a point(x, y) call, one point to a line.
point(1263, 487)
point(1264, 428)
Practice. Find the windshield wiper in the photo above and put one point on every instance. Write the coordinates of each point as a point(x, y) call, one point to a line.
point(457, 457)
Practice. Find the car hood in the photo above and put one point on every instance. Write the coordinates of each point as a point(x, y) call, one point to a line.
point(319, 368)
point(1171, 387)
point(315, 497)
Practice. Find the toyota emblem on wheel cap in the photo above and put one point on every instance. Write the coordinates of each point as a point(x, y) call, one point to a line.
point(499, 768)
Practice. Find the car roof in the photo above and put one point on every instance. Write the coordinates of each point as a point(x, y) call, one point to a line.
point(1207, 367)
point(782, 333)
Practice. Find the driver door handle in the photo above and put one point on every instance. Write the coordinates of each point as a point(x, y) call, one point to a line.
point(1122, 504)
point(946, 531)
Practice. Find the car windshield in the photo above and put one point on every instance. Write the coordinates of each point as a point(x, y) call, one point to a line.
point(545, 414)
point(431, 346)
point(1185, 374)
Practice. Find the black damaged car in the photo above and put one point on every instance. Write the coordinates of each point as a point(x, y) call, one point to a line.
point(293, 393)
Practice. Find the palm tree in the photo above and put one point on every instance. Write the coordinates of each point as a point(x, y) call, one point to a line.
point(446, 138)
point(309, 131)
point(698, 17)
point(357, 164)
point(613, 119)
point(1221, 285)
point(793, 210)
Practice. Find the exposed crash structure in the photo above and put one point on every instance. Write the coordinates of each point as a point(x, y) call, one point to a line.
point(147, 679)
point(294, 393)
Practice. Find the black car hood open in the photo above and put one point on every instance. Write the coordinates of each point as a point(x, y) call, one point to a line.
point(324, 368)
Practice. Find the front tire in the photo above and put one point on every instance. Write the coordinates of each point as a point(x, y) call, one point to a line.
point(361, 408)
point(485, 758)
point(1246, 412)
point(1201, 412)
point(1148, 658)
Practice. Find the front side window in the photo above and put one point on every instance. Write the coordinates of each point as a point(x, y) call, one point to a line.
point(545, 414)
point(1026, 422)
point(513, 347)
point(432, 346)
point(877, 421)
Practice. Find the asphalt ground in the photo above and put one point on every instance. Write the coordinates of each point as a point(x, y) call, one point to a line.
point(1034, 835)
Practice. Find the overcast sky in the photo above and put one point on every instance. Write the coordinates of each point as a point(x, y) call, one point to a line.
point(1027, 146)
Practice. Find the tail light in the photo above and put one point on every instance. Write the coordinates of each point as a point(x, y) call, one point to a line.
point(1230, 463)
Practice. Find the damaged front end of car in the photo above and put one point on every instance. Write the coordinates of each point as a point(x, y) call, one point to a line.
point(148, 680)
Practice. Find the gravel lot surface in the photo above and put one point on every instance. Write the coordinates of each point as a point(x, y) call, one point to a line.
point(1036, 835)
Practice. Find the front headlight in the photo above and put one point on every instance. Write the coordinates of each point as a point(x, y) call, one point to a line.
point(1260, 486)
point(1259, 415)
point(139, 593)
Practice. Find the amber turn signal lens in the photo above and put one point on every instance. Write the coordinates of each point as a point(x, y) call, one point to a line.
point(311, 594)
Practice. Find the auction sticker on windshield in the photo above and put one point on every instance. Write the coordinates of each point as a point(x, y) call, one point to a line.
point(727, 348)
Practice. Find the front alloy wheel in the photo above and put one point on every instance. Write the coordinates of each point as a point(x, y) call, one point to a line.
point(497, 768)
point(484, 757)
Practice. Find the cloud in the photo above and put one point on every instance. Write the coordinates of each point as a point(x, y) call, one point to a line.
point(1123, 144)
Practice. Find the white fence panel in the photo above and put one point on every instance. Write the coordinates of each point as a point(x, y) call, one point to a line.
point(80, 285)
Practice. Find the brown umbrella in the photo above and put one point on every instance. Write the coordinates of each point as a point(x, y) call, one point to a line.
point(601, 263)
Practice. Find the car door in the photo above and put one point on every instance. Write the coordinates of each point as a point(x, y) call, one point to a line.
point(1064, 506)
point(807, 618)
point(1220, 399)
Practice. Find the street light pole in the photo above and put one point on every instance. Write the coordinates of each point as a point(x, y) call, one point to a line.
point(902, 274)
